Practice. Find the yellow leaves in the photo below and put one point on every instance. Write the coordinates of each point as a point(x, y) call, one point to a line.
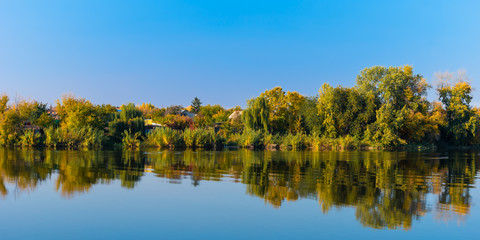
point(463, 87)
point(297, 127)
point(3, 103)
point(407, 69)
point(147, 109)
point(283, 108)
point(438, 114)
point(408, 94)
point(76, 112)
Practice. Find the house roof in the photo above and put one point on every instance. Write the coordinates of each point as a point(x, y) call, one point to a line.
point(188, 114)
point(235, 115)
point(31, 127)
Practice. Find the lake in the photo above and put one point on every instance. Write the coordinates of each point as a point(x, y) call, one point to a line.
point(59, 194)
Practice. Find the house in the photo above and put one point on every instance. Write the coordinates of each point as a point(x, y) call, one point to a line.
point(53, 113)
point(27, 126)
point(188, 114)
point(235, 116)
point(150, 125)
point(189, 108)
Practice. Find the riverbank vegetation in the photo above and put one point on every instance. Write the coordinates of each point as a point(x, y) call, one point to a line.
point(387, 108)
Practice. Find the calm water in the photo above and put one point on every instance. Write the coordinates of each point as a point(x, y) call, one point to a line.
point(46, 194)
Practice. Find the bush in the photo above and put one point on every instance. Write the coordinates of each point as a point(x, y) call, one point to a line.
point(53, 136)
point(190, 138)
point(92, 138)
point(177, 122)
point(86, 137)
point(251, 138)
point(164, 137)
point(29, 139)
point(269, 139)
point(118, 127)
point(205, 138)
point(347, 142)
point(202, 138)
point(297, 141)
point(131, 140)
point(233, 139)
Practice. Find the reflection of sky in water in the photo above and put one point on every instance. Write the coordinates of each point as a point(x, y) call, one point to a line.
point(155, 207)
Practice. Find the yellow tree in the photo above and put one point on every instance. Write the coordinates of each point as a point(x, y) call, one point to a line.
point(403, 105)
point(77, 113)
point(283, 109)
point(148, 110)
point(462, 122)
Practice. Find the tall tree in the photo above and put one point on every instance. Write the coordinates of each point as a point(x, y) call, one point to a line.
point(196, 104)
point(3, 103)
point(462, 123)
point(402, 98)
point(78, 113)
point(283, 110)
point(343, 111)
point(256, 115)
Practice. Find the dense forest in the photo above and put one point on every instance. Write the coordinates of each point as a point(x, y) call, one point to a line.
point(387, 108)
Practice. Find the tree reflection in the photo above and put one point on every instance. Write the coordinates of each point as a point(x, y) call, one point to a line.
point(387, 189)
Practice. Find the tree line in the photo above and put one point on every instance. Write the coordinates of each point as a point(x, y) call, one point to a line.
point(387, 107)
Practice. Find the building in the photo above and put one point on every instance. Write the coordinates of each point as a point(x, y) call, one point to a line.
point(52, 112)
point(150, 125)
point(27, 126)
point(188, 114)
point(235, 116)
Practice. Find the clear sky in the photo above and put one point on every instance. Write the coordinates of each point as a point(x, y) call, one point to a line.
point(225, 51)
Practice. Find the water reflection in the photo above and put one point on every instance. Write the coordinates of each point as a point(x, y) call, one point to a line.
point(386, 189)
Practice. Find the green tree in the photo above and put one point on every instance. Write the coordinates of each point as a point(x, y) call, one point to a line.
point(174, 110)
point(78, 113)
point(210, 114)
point(344, 111)
point(129, 111)
point(13, 119)
point(462, 122)
point(196, 104)
point(309, 114)
point(401, 94)
point(3, 103)
point(284, 110)
point(256, 115)
point(128, 120)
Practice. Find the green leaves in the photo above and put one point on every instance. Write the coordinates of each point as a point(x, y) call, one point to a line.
point(196, 104)
point(462, 121)
point(256, 116)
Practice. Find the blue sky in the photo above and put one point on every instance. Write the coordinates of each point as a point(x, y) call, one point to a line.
point(225, 52)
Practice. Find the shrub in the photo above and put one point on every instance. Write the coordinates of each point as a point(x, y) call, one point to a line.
point(177, 122)
point(190, 138)
point(85, 137)
point(269, 138)
point(233, 139)
point(92, 138)
point(297, 141)
point(347, 142)
point(251, 138)
point(205, 138)
point(53, 136)
point(131, 140)
point(202, 138)
point(29, 139)
point(165, 137)
point(117, 127)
